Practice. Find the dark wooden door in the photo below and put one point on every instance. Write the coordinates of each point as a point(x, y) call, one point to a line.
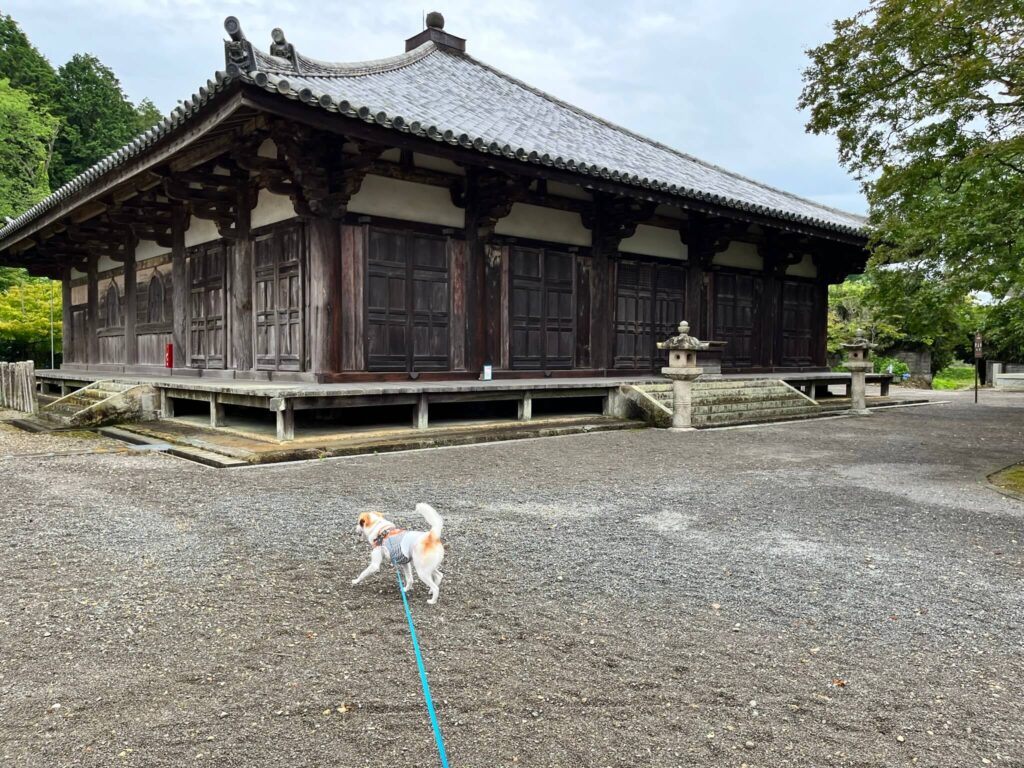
point(407, 302)
point(736, 297)
point(206, 318)
point(79, 329)
point(542, 315)
point(797, 323)
point(650, 302)
point(278, 263)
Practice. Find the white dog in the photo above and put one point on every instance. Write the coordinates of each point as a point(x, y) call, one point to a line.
point(422, 549)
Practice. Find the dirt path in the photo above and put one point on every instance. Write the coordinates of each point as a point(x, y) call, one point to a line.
point(843, 592)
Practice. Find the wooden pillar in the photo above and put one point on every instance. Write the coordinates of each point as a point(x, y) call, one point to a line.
point(325, 327)
point(458, 328)
point(179, 289)
point(67, 319)
point(353, 276)
point(241, 289)
point(131, 346)
point(601, 314)
point(475, 292)
point(92, 346)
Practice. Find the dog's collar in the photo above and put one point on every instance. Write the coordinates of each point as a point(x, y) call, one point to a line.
point(384, 534)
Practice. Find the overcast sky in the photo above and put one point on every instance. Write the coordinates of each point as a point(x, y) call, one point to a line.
point(718, 79)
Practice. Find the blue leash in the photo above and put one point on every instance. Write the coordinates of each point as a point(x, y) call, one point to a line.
point(423, 675)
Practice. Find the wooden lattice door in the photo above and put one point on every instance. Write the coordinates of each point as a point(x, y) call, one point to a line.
point(206, 317)
point(407, 302)
point(736, 298)
point(278, 261)
point(542, 314)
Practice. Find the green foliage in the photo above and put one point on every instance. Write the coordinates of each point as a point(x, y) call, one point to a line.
point(97, 117)
point(926, 100)
point(25, 321)
point(957, 376)
point(28, 135)
point(903, 308)
point(26, 68)
point(1003, 331)
point(898, 366)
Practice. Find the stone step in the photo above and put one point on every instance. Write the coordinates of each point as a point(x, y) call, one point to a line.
point(767, 405)
point(762, 418)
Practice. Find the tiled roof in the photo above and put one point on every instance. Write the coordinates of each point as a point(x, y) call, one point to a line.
point(448, 96)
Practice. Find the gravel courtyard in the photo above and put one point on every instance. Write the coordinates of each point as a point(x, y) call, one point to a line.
point(845, 592)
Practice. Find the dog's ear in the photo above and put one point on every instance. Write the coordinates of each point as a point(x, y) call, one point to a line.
point(363, 520)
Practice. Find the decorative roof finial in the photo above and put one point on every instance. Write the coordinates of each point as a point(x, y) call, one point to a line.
point(435, 20)
point(239, 58)
point(280, 47)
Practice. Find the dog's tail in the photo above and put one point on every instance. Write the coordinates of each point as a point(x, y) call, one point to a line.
point(433, 519)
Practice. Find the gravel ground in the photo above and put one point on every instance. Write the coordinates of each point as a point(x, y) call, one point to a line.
point(831, 593)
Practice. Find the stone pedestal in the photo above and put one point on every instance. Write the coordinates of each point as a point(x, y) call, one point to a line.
point(682, 369)
point(858, 363)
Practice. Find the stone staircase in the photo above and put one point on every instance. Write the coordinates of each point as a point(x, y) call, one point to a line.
point(102, 402)
point(723, 403)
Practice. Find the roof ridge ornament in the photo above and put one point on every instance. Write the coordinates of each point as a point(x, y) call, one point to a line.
point(282, 49)
point(435, 34)
point(239, 58)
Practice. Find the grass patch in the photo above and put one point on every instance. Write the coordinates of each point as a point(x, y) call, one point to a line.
point(957, 376)
point(1010, 479)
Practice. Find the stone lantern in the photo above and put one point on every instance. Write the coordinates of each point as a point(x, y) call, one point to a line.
point(682, 370)
point(858, 363)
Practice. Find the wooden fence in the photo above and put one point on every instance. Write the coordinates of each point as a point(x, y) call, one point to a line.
point(18, 386)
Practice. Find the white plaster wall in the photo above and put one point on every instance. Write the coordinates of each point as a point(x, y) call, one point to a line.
point(148, 249)
point(270, 209)
point(741, 255)
point(200, 231)
point(406, 200)
point(804, 268)
point(105, 263)
point(392, 155)
point(267, 149)
point(655, 241)
point(437, 164)
point(548, 224)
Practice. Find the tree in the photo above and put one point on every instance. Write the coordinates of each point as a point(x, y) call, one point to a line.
point(926, 100)
point(903, 308)
point(25, 313)
point(26, 146)
point(26, 68)
point(97, 117)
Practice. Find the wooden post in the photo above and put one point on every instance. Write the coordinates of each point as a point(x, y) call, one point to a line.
point(131, 346)
point(179, 289)
point(353, 265)
point(420, 417)
point(286, 423)
point(325, 295)
point(241, 353)
point(67, 321)
point(601, 316)
point(92, 347)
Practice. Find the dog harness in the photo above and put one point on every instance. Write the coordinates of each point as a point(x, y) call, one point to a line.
point(397, 543)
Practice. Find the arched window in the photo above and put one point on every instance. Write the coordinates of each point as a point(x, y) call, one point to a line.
point(155, 299)
point(112, 306)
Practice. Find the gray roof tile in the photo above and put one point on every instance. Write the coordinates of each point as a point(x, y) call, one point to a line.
point(451, 97)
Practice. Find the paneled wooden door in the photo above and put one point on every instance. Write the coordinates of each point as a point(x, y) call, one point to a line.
point(797, 323)
point(542, 314)
point(279, 263)
point(650, 300)
point(737, 296)
point(206, 266)
point(408, 309)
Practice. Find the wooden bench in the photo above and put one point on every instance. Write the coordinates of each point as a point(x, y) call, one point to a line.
point(815, 386)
